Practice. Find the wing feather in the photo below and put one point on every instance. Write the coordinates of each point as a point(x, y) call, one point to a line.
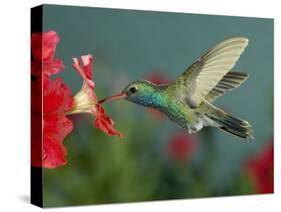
point(203, 75)
point(229, 81)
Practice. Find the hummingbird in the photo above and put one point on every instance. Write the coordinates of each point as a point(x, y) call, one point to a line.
point(188, 101)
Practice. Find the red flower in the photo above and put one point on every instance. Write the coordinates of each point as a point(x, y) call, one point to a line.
point(104, 122)
point(260, 169)
point(51, 126)
point(85, 101)
point(43, 46)
point(181, 146)
point(158, 78)
point(56, 101)
point(47, 145)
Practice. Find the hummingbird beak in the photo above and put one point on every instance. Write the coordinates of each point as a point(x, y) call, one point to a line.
point(115, 97)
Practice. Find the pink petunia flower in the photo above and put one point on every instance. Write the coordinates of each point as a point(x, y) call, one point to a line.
point(85, 101)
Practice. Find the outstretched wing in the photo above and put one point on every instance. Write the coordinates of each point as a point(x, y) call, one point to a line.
point(204, 74)
point(229, 81)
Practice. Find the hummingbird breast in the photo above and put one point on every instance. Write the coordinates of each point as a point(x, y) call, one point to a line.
point(192, 119)
point(178, 113)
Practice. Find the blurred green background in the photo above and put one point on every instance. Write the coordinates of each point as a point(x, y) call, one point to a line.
point(157, 160)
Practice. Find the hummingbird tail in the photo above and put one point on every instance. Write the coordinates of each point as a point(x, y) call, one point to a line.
point(231, 124)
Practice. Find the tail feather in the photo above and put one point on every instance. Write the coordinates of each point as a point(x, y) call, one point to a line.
point(230, 124)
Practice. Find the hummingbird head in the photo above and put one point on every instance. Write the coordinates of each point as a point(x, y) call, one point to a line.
point(141, 92)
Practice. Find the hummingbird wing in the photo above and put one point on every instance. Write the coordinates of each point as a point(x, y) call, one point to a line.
point(229, 81)
point(205, 73)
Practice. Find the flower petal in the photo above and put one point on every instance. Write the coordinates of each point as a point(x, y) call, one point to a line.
point(105, 123)
point(53, 66)
point(85, 71)
point(56, 101)
point(49, 67)
point(51, 153)
point(57, 127)
point(43, 45)
point(87, 65)
point(57, 97)
point(54, 153)
point(86, 100)
point(36, 138)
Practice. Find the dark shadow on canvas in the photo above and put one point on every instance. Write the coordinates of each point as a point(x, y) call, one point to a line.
point(24, 198)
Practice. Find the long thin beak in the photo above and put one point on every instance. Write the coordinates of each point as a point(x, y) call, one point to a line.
point(115, 97)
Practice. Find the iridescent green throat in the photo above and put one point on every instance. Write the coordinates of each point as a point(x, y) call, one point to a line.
point(150, 96)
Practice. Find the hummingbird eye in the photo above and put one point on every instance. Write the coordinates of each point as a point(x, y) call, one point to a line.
point(133, 90)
